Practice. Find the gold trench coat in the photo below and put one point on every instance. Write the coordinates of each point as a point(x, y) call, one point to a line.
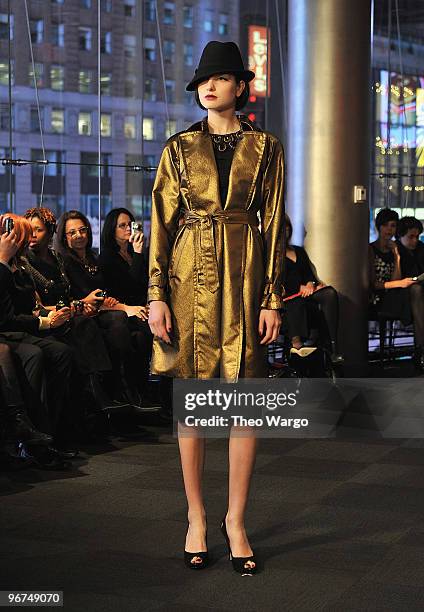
point(216, 270)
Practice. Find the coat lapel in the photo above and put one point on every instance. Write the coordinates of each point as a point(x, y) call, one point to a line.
point(244, 169)
point(201, 170)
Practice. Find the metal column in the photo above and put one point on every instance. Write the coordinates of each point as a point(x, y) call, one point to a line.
point(328, 152)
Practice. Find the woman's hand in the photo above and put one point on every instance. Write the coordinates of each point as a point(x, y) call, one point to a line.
point(89, 310)
point(59, 317)
point(110, 302)
point(160, 320)
point(137, 240)
point(8, 246)
point(307, 290)
point(404, 283)
point(269, 324)
point(93, 299)
point(394, 248)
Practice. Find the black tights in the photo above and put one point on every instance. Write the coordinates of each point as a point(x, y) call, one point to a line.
point(416, 296)
point(301, 312)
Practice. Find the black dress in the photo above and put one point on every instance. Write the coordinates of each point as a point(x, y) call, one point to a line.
point(126, 282)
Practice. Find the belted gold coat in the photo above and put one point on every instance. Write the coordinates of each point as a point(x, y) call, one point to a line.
point(209, 260)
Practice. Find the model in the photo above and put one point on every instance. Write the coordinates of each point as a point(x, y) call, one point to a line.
point(214, 277)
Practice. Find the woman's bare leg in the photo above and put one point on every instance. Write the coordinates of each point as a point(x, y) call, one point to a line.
point(192, 453)
point(242, 453)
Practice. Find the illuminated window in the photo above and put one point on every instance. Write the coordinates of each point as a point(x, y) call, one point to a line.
point(148, 128)
point(129, 126)
point(130, 43)
point(4, 73)
point(84, 124)
point(85, 81)
point(39, 74)
point(129, 8)
point(170, 90)
point(106, 43)
point(106, 125)
point(85, 4)
point(171, 128)
point(57, 120)
point(57, 78)
point(106, 84)
point(106, 6)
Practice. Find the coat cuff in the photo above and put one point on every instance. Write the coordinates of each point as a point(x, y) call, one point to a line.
point(272, 297)
point(158, 289)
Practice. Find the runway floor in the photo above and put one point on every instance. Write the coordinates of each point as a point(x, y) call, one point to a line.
point(337, 525)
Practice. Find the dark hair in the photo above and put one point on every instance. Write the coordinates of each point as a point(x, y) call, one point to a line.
point(108, 240)
point(288, 226)
point(384, 216)
point(241, 100)
point(45, 215)
point(60, 243)
point(407, 223)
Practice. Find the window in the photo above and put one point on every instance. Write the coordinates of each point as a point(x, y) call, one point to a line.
point(130, 86)
point(85, 81)
point(93, 170)
point(57, 120)
point(148, 128)
point(150, 49)
point(4, 73)
point(58, 1)
point(84, 124)
point(169, 13)
point(106, 84)
point(106, 43)
point(57, 78)
point(189, 98)
point(223, 24)
point(4, 27)
point(169, 51)
point(150, 89)
point(149, 10)
point(34, 122)
point(130, 42)
point(170, 90)
point(188, 54)
point(106, 125)
point(37, 30)
point(208, 23)
point(55, 203)
point(171, 128)
point(188, 16)
point(106, 6)
point(86, 4)
point(58, 34)
point(5, 117)
point(53, 169)
point(129, 126)
point(85, 36)
point(129, 8)
point(39, 74)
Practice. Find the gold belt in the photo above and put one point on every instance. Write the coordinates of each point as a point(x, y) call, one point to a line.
point(205, 255)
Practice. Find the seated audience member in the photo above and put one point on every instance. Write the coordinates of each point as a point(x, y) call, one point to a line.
point(53, 287)
point(124, 270)
point(393, 295)
point(22, 328)
point(411, 249)
point(312, 301)
point(73, 241)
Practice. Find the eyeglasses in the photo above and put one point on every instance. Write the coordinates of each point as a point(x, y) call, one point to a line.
point(124, 225)
point(81, 230)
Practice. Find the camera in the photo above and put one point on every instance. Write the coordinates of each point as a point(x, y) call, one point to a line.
point(102, 293)
point(78, 306)
point(62, 303)
point(9, 224)
point(136, 228)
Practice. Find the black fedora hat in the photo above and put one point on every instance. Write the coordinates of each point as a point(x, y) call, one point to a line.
point(220, 57)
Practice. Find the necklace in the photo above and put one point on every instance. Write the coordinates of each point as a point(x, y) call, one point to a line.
point(224, 141)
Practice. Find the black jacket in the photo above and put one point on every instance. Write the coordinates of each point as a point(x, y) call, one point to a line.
point(411, 262)
point(127, 283)
point(299, 272)
point(15, 298)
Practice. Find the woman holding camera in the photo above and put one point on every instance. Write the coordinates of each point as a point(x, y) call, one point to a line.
point(73, 241)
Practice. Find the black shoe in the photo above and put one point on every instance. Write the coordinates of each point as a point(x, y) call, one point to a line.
point(46, 459)
point(189, 557)
point(22, 429)
point(66, 453)
point(239, 563)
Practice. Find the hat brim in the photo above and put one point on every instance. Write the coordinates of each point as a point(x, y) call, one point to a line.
point(245, 75)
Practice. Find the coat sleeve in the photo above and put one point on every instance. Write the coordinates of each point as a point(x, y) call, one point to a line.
point(272, 222)
point(164, 224)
